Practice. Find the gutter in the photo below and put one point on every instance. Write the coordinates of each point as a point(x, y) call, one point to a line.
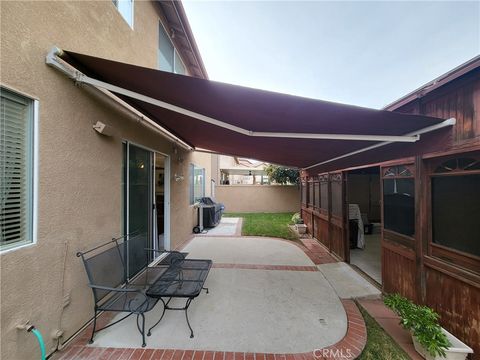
point(451, 75)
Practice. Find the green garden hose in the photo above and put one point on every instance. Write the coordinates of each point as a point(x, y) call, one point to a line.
point(39, 339)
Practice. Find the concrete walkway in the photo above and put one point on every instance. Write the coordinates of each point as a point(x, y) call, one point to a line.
point(229, 226)
point(348, 283)
point(256, 303)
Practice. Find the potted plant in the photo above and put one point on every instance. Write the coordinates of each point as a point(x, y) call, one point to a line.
point(299, 225)
point(429, 338)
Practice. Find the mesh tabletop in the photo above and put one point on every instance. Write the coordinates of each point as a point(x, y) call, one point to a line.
point(183, 278)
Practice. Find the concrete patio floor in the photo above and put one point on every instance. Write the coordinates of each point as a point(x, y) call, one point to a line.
point(266, 296)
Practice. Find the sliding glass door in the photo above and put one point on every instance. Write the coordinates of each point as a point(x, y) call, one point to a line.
point(138, 205)
point(146, 205)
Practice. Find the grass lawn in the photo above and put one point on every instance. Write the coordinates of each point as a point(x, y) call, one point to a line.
point(266, 224)
point(380, 346)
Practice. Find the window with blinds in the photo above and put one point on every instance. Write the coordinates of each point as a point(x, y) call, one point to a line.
point(16, 169)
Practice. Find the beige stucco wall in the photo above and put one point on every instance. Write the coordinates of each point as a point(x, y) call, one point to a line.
point(259, 198)
point(79, 199)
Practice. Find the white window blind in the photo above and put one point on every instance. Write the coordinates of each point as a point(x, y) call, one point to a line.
point(16, 148)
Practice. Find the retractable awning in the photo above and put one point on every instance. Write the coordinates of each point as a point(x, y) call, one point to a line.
point(272, 127)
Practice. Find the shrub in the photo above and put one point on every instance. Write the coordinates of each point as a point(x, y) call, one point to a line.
point(422, 321)
point(297, 219)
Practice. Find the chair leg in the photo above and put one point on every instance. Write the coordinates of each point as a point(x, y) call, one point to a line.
point(94, 327)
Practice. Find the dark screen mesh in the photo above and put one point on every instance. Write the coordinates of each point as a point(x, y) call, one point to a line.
point(456, 212)
point(337, 208)
point(399, 205)
point(106, 269)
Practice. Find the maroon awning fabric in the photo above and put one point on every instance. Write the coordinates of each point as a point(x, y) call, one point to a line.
point(265, 111)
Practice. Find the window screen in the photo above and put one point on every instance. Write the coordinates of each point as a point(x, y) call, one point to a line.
point(399, 205)
point(456, 212)
point(165, 50)
point(324, 195)
point(304, 192)
point(16, 164)
point(310, 194)
point(337, 198)
point(316, 199)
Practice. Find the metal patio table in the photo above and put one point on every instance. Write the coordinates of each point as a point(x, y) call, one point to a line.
point(183, 278)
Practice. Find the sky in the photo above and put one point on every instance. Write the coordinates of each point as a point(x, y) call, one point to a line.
point(355, 52)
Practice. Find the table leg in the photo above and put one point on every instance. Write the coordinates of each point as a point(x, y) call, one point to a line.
point(165, 306)
point(187, 304)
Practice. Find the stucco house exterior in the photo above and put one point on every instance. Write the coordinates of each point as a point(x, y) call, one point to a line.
point(79, 186)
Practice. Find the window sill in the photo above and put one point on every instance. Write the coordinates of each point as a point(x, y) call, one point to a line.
point(12, 247)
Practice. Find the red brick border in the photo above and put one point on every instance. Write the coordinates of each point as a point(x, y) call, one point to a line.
point(264, 267)
point(316, 252)
point(350, 347)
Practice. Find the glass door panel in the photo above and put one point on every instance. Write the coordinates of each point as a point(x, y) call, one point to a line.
point(139, 207)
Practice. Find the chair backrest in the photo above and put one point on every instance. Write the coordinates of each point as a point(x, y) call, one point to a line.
point(105, 268)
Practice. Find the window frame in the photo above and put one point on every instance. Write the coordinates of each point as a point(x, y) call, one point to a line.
point(441, 252)
point(192, 168)
point(33, 164)
point(132, 16)
point(176, 53)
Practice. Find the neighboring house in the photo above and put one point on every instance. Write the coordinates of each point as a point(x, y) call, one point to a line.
point(234, 170)
point(66, 187)
point(427, 206)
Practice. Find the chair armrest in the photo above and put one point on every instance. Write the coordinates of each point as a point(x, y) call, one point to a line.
point(107, 288)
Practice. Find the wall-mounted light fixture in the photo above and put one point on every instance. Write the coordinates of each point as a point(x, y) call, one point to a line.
point(178, 177)
point(103, 129)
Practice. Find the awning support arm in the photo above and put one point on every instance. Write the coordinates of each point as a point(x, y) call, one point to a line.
point(72, 73)
point(448, 122)
point(79, 77)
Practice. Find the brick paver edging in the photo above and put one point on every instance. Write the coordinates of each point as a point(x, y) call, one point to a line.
point(264, 267)
point(350, 347)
